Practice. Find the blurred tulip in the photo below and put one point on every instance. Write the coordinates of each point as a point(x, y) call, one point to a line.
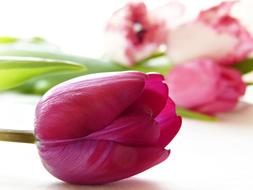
point(204, 86)
point(133, 33)
point(215, 34)
point(105, 127)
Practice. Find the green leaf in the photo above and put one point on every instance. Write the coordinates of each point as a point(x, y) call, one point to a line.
point(152, 57)
point(245, 66)
point(8, 40)
point(156, 64)
point(42, 83)
point(195, 115)
point(159, 69)
point(5, 40)
point(92, 65)
point(35, 44)
point(37, 40)
point(16, 70)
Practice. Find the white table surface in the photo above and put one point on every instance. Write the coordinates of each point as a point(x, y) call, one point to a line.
point(205, 155)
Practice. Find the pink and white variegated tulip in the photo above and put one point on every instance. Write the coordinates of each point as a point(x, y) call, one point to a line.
point(133, 33)
point(214, 34)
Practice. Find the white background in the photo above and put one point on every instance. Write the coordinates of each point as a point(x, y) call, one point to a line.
point(77, 25)
point(205, 156)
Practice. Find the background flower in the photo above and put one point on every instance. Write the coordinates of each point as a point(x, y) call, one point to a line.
point(214, 34)
point(133, 33)
point(105, 127)
point(204, 86)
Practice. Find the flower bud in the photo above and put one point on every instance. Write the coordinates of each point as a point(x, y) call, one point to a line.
point(203, 85)
point(105, 127)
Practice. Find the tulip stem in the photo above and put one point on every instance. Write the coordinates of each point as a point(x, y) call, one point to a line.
point(195, 115)
point(21, 136)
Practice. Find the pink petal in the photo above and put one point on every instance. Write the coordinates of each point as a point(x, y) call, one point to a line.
point(96, 162)
point(219, 19)
point(230, 88)
point(153, 98)
point(232, 78)
point(81, 106)
point(217, 106)
point(214, 34)
point(169, 123)
point(217, 12)
point(194, 83)
point(133, 33)
point(190, 41)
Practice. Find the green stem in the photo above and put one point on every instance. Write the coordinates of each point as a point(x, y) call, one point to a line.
point(245, 66)
point(153, 56)
point(195, 115)
point(21, 136)
point(249, 83)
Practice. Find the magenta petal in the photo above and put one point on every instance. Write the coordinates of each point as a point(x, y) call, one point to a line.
point(96, 162)
point(134, 130)
point(86, 104)
point(169, 123)
point(153, 98)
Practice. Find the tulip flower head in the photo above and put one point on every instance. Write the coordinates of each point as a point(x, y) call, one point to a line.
point(205, 86)
point(105, 127)
point(214, 34)
point(133, 33)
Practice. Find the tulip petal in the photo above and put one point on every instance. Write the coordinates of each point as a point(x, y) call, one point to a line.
point(134, 130)
point(153, 98)
point(99, 162)
point(217, 107)
point(230, 88)
point(169, 123)
point(194, 83)
point(217, 12)
point(189, 41)
point(219, 18)
point(232, 78)
point(228, 41)
point(133, 33)
point(81, 106)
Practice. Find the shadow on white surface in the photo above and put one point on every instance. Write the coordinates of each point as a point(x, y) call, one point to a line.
point(129, 184)
point(241, 116)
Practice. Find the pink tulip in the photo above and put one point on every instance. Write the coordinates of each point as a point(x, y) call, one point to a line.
point(204, 86)
point(215, 34)
point(105, 127)
point(133, 33)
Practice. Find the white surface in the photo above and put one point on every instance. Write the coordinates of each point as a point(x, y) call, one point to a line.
point(205, 156)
